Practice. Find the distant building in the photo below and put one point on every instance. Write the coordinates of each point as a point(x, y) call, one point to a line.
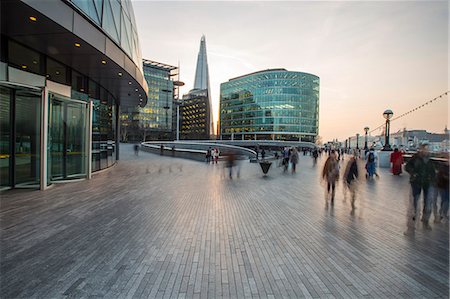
point(154, 121)
point(195, 117)
point(406, 139)
point(411, 139)
point(273, 104)
point(196, 121)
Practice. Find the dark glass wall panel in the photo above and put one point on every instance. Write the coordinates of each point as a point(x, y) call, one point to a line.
point(27, 147)
point(56, 126)
point(103, 131)
point(24, 58)
point(56, 71)
point(76, 139)
point(5, 136)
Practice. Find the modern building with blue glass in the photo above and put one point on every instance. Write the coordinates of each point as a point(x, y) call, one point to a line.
point(273, 104)
point(67, 69)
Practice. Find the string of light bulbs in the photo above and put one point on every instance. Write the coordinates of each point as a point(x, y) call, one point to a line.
point(413, 110)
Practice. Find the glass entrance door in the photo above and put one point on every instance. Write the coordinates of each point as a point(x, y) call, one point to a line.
point(5, 137)
point(67, 139)
point(76, 140)
point(20, 136)
point(28, 137)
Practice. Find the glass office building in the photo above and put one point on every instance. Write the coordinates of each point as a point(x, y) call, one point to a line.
point(66, 70)
point(273, 104)
point(155, 121)
point(195, 115)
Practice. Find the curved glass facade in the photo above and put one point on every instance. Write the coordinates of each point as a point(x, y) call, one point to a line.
point(116, 17)
point(59, 110)
point(270, 105)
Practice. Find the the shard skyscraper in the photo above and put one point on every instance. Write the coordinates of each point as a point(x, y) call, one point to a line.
point(196, 111)
point(201, 72)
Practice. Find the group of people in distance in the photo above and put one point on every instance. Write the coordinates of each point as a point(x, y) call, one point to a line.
point(212, 155)
point(289, 155)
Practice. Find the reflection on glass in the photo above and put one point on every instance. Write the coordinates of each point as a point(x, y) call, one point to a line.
point(90, 7)
point(27, 151)
point(111, 19)
point(56, 140)
point(5, 127)
point(103, 133)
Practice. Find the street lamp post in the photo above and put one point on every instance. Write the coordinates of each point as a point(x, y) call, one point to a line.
point(178, 103)
point(366, 129)
point(177, 84)
point(387, 114)
point(357, 141)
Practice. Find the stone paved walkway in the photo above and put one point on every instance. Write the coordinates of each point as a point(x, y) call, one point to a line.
point(156, 226)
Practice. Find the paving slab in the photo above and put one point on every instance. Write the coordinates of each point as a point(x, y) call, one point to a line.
point(156, 226)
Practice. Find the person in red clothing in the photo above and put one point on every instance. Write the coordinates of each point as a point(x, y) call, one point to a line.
point(397, 162)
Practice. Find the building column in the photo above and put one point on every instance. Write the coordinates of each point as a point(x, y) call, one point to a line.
point(89, 111)
point(117, 131)
point(44, 138)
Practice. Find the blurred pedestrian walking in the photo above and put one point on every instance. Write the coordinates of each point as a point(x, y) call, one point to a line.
point(440, 190)
point(350, 180)
point(215, 155)
point(136, 149)
point(422, 174)
point(315, 155)
point(285, 159)
point(208, 155)
point(231, 163)
point(371, 163)
point(294, 159)
point(330, 174)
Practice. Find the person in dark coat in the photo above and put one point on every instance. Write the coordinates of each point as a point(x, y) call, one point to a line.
point(294, 159)
point(350, 179)
point(330, 174)
point(422, 175)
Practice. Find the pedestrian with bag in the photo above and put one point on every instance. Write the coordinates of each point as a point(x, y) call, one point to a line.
point(371, 166)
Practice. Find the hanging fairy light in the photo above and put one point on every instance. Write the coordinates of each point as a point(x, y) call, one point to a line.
point(413, 110)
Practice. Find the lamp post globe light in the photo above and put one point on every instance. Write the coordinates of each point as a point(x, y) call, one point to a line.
point(366, 129)
point(387, 114)
point(357, 141)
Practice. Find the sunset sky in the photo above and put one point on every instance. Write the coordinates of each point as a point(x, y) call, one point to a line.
point(370, 56)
